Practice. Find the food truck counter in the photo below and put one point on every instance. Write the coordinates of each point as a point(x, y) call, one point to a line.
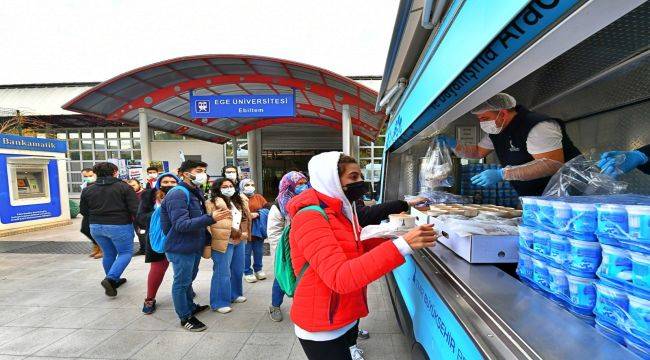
point(478, 311)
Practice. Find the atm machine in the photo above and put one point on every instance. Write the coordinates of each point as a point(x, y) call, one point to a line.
point(585, 62)
point(33, 184)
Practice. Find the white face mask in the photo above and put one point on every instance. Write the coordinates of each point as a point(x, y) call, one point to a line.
point(249, 190)
point(200, 179)
point(153, 176)
point(231, 175)
point(490, 126)
point(228, 192)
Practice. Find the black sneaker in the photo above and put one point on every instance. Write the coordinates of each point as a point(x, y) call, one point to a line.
point(364, 334)
point(193, 324)
point(120, 282)
point(200, 308)
point(110, 288)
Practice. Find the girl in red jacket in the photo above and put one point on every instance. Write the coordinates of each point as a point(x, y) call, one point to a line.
point(331, 296)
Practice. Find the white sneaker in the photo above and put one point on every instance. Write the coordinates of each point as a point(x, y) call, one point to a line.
point(250, 278)
point(224, 310)
point(239, 299)
point(260, 275)
point(356, 353)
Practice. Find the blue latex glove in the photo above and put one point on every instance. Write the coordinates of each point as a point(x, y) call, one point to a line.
point(451, 142)
point(488, 178)
point(614, 163)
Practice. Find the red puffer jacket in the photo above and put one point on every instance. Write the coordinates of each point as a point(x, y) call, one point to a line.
point(332, 292)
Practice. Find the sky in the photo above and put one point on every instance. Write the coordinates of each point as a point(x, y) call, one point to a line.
point(91, 40)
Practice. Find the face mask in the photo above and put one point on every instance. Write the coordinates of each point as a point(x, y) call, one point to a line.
point(228, 192)
point(231, 176)
point(153, 176)
point(89, 179)
point(200, 179)
point(490, 126)
point(165, 189)
point(354, 191)
point(249, 190)
point(301, 188)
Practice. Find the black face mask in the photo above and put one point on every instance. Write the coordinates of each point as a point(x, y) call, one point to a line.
point(165, 189)
point(354, 191)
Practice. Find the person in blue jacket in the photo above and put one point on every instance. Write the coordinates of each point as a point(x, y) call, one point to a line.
point(615, 163)
point(185, 226)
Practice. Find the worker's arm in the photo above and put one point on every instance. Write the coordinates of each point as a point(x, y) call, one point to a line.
point(544, 144)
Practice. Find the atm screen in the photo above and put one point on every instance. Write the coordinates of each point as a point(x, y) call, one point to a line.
point(30, 183)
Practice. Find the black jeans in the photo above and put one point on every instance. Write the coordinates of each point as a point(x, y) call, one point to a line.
point(336, 349)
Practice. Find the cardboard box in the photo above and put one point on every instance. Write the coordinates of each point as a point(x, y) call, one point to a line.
point(479, 249)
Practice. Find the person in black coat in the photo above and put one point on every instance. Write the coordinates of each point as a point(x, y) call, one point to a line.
point(375, 214)
point(149, 201)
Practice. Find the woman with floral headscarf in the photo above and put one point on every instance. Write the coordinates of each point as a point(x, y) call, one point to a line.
point(292, 184)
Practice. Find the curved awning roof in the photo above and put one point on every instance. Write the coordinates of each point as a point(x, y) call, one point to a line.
point(164, 88)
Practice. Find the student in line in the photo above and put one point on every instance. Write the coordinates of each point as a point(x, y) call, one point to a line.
point(184, 220)
point(140, 232)
point(88, 178)
point(335, 265)
point(255, 246)
point(291, 184)
point(111, 205)
point(158, 263)
point(229, 236)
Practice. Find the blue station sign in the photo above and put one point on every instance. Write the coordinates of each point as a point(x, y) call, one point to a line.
point(242, 106)
point(31, 143)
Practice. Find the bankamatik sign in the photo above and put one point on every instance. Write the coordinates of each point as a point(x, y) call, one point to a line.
point(242, 106)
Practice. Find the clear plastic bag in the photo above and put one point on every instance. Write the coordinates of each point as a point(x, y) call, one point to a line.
point(465, 227)
point(436, 167)
point(439, 197)
point(582, 176)
point(383, 230)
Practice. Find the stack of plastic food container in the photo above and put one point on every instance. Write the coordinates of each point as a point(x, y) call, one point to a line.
point(501, 194)
point(592, 256)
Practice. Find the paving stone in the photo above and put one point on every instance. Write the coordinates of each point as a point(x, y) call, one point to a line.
point(218, 345)
point(267, 346)
point(169, 345)
point(33, 341)
point(76, 343)
point(123, 345)
point(9, 333)
point(40, 317)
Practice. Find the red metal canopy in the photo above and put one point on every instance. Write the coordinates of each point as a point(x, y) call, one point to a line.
point(164, 87)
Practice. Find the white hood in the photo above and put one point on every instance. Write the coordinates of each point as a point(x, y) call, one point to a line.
point(324, 178)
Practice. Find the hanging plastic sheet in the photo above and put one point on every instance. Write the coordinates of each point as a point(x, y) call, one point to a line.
point(582, 176)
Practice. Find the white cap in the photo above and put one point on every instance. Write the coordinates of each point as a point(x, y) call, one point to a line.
point(500, 101)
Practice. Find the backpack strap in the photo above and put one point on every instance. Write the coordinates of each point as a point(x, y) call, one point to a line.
point(306, 265)
point(183, 189)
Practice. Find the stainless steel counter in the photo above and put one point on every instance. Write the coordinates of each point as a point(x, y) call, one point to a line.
point(506, 318)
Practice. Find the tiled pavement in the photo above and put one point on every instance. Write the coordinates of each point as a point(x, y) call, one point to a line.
point(52, 306)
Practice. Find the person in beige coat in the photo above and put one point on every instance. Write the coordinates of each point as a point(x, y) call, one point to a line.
point(229, 237)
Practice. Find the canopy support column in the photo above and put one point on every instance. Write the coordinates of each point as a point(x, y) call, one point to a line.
point(346, 126)
point(235, 147)
point(255, 157)
point(145, 146)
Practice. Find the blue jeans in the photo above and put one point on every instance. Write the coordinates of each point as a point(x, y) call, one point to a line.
point(257, 248)
point(116, 242)
point(185, 266)
point(228, 270)
point(277, 295)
